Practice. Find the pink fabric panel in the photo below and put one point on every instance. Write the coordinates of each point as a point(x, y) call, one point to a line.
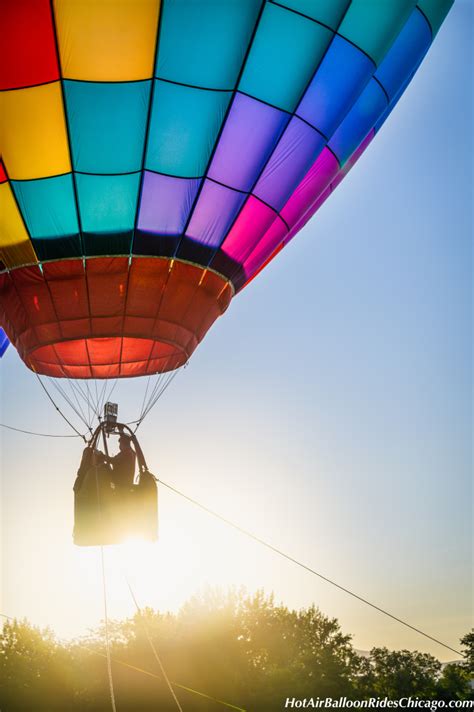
point(309, 214)
point(321, 173)
point(248, 229)
point(314, 207)
point(269, 242)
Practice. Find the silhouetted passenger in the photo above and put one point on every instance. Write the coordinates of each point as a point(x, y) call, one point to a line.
point(123, 464)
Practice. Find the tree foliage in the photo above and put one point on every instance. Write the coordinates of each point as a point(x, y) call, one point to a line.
point(246, 650)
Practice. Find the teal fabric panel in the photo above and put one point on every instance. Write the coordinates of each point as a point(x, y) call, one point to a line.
point(285, 53)
point(48, 206)
point(204, 43)
point(184, 126)
point(373, 26)
point(435, 11)
point(329, 12)
point(107, 124)
point(108, 203)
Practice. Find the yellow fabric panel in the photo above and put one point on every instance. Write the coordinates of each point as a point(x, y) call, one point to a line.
point(106, 40)
point(15, 246)
point(33, 138)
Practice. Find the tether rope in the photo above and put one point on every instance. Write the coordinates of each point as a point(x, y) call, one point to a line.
point(153, 647)
point(107, 638)
point(41, 435)
point(281, 553)
point(104, 595)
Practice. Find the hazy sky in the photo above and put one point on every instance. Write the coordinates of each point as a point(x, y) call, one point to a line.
point(329, 411)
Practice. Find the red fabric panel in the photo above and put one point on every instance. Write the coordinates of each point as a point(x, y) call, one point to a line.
point(107, 285)
point(3, 175)
point(34, 294)
point(147, 280)
point(108, 320)
point(104, 351)
point(27, 46)
point(68, 287)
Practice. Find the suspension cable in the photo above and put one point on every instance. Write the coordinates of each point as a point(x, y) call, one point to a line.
point(63, 393)
point(305, 566)
point(153, 647)
point(156, 395)
point(59, 410)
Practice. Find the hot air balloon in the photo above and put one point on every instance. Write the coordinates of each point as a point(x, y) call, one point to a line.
point(156, 156)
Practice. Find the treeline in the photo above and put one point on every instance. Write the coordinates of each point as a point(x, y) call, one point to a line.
point(240, 649)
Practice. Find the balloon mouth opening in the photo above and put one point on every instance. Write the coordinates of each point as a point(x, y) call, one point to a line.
point(106, 357)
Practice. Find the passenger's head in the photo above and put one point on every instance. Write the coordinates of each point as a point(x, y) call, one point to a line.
point(125, 442)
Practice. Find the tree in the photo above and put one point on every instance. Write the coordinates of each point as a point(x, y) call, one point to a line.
point(243, 649)
point(468, 644)
point(396, 674)
point(34, 670)
point(453, 683)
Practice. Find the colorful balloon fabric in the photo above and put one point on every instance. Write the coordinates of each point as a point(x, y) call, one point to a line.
point(4, 343)
point(155, 156)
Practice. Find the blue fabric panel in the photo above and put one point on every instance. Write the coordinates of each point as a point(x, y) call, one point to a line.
point(204, 43)
point(107, 123)
point(359, 121)
point(4, 342)
point(108, 203)
point(183, 129)
point(405, 54)
point(381, 120)
point(285, 52)
point(48, 206)
point(341, 77)
point(329, 12)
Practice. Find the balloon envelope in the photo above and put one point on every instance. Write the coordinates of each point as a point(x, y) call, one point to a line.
point(157, 156)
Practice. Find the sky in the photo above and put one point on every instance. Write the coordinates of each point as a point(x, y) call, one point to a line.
point(329, 411)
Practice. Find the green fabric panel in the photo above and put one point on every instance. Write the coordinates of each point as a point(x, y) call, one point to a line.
point(285, 52)
point(48, 206)
point(329, 12)
point(107, 203)
point(373, 25)
point(107, 123)
point(435, 11)
point(204, 43)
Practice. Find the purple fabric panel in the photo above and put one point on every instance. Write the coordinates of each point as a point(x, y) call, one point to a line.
point(321, 173)
point(214, 213)
point(166, 203)
point(297, 150)
point(250, 133)
point(267, 245)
